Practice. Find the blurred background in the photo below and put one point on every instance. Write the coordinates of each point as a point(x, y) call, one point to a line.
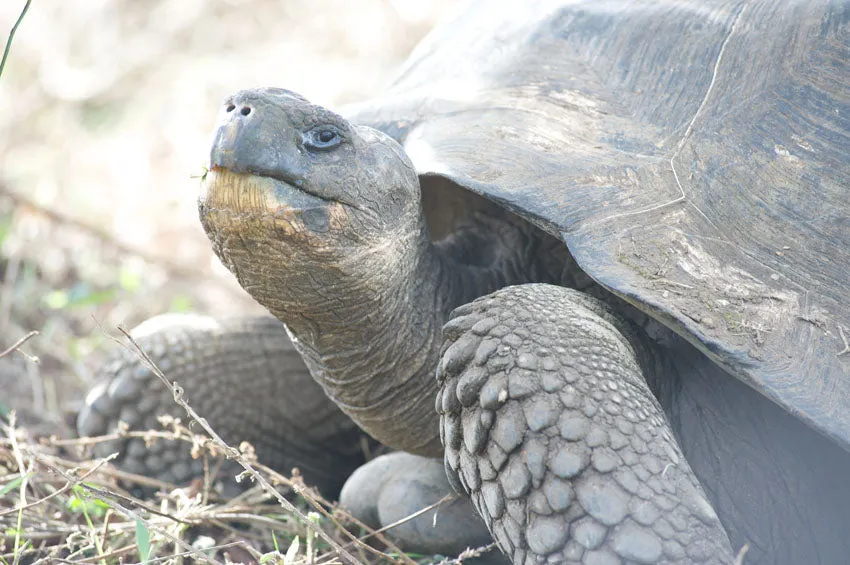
point(106, 111)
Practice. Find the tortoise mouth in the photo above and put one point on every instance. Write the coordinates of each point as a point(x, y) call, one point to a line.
point(251, 194)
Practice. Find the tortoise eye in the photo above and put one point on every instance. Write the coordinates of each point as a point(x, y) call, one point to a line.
point(321, 138)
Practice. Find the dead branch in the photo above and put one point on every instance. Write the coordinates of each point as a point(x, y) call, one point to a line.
point(66, 487)
point(19, 343)
point(100, 234)
point(233, 453)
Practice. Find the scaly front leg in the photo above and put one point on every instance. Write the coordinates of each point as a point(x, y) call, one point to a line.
point(550, 428)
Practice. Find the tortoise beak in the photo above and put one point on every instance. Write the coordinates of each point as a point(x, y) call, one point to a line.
point(253, 136)
point(256, 166)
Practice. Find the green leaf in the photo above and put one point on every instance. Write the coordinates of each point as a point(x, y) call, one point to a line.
point(82, 503)
point(12, 485)
point(76, 504)
point(143, 541)
point(98, 503)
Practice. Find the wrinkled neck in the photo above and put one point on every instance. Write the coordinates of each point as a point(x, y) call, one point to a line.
point(371, 336)
point(372, 333)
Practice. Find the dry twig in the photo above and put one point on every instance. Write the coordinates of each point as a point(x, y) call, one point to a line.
point(18, 344)
point(100, 234)
point(233, 453)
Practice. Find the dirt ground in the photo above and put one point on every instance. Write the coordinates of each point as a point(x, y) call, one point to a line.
point(109, 106)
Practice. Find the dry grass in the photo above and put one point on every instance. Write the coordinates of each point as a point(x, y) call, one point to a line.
point(58, 506)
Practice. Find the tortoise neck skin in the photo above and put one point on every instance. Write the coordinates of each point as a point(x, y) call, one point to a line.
point(367, 322)
point(334, 243)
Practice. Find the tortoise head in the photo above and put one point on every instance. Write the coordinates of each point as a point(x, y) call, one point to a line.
point(295, 191)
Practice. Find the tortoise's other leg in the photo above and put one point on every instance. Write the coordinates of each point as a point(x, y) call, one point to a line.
point(551, 429)
point(245, 378)
point(389, 488)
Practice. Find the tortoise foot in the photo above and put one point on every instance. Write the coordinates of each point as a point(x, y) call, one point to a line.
point(392, 487)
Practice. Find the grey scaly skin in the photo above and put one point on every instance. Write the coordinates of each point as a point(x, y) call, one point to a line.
point(390, 488)
point(321, 222)
point(547, 419)
point(245, 378)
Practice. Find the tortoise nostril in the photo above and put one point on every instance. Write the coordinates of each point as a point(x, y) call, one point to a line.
point(230, 107)
point(245, 110)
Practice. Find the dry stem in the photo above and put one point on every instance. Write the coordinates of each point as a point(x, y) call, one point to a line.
point(233, 453)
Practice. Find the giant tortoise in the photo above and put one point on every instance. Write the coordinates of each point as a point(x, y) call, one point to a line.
point(616, 231)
